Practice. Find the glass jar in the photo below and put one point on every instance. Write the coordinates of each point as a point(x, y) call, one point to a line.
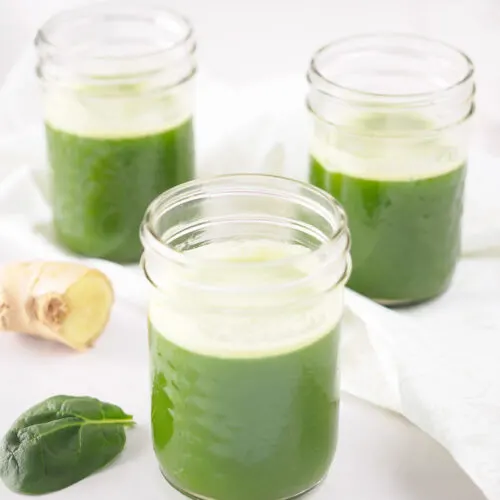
point(248, 274)
point(118, 103)
point(390, 117)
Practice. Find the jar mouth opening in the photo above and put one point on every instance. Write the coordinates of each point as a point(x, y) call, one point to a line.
point(50, 36)
point(327, 248)
point(393, 44)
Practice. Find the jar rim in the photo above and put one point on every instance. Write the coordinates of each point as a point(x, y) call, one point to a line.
point(397, 38)
point(126, 11)
point(151, 239)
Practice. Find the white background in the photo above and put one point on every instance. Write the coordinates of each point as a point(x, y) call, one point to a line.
point(380, 457)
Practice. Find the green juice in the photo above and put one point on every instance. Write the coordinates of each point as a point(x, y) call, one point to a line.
point(405, 234)
point(102, 186)
point(257, 418)
point(403, 202)
point(244, 429)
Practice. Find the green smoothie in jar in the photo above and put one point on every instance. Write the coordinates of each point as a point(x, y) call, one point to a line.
point(244, 341)
point(103, 185)
point(405, 221)
point(118, 121)
point(389, 142)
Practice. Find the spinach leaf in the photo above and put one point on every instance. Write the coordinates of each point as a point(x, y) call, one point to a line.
point(60, 442)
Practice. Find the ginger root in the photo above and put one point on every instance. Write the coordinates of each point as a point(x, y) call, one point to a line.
point(61, 301)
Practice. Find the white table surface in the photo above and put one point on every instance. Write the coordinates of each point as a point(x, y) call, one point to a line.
point(380, 456)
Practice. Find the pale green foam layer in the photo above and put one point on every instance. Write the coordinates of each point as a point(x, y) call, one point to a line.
point(392, 147)
point(124, 114)
point(255, 324)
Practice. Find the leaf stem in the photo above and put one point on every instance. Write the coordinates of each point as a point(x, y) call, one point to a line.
point(129, 422)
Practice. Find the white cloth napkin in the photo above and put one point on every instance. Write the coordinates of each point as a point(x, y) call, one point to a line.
point(437, 364)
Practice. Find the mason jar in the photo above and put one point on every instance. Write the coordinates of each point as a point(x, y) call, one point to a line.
point(248, 274)
point(390, 126)
point(117, 86)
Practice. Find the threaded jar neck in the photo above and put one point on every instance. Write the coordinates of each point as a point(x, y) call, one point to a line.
point(116, 46)
point(243, 213)
point(392, 73)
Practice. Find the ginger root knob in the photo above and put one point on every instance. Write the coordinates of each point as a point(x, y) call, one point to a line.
point(61, 301)
point(51, 309)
